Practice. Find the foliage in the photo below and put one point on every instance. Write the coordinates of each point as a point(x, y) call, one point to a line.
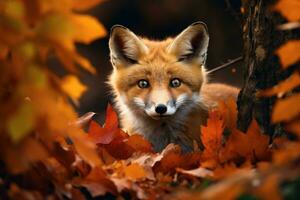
point(45, 153)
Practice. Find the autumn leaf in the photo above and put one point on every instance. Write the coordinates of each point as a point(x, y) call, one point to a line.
point(294, 127)
point(134, 171)
point(110, 130)
point(21, 123)
point(87, 28)
point(289, 9)
point(269, 189)
point(282, 87)
point(289, 53)
point(198, 172)
point(81, 5)
point(251, 145)
point(73, 87)
point(212, 134)
point(286, 109)
point(229, 112)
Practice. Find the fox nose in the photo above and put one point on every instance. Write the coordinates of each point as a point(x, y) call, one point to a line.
point(161, 109)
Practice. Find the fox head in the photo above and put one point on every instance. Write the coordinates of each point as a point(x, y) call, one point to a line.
point(158, 78)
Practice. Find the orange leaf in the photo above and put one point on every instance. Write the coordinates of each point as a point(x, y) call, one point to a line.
point(73, 87)
point(269, 189)
point(283, 87)
point(110, 130)
point(138, 143)
point(229, 112)
point(286, 109)
point(294, 127)
point(86, 148)
point(135, 172)
point(253, 145)
point(82, 5)
point(87, 28)
point(289, 9)
point(212, 134)
point(289, 53)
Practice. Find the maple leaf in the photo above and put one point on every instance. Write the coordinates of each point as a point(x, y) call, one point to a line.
point(250, 145)
point(212, 134)
point(110, 130)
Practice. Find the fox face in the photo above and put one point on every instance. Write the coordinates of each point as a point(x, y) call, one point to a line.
point(158, 79)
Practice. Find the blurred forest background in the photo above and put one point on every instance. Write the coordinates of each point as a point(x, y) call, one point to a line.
point(158, 19)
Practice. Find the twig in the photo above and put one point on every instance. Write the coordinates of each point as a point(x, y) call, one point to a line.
point(225, 65)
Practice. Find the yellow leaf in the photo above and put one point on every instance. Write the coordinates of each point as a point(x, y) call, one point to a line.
point(289, 53)
point(85, 5)
point(87, 28)
point(14, 9)
point(286, 109)
point(289, 9)
point(58, 28)
point(73, 87)
point(36, 76)
point(21, 123)
point(135, 171)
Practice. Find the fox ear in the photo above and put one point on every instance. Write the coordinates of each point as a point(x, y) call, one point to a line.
point(125, 47)
point(191, 44)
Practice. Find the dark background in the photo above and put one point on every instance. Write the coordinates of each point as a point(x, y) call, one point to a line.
point(158, 19)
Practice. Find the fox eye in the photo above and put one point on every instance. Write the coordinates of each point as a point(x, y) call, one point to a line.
point(175, 82)
point(143, 83)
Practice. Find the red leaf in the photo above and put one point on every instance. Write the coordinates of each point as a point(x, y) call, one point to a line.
point(212, 134)
point(110, 130)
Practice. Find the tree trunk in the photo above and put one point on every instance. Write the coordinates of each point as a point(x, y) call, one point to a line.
point(261, 67)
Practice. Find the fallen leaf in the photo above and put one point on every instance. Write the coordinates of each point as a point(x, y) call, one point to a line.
point(212, 134)
point(251, 145)
point(199, 172)
point(135, 172)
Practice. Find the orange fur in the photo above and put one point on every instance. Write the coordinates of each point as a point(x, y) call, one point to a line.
point(158, 63)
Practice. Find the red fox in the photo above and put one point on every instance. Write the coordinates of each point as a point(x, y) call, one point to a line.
point(161, 88)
